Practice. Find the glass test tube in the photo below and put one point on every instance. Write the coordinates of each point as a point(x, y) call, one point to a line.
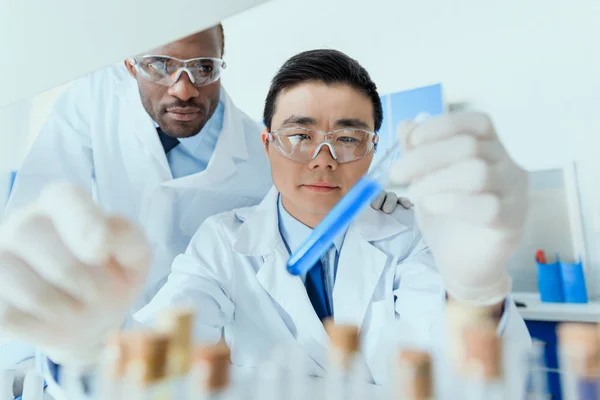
point(346, 375)
point(579, 361)
point(537, 386)
point(112, 369)
point(416, 376)
point(211, 372)
point(481, 365)
point(146, 371)
point(178, 324)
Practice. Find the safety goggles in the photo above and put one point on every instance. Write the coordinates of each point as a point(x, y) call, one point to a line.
point(166, 70)
point(303, 145)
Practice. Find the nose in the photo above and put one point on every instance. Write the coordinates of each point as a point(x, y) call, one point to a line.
point(183, 89)
point(323, 159)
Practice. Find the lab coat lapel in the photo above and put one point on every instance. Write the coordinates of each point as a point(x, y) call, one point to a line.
point(361, 264)
point(135, 124)
point(359, 271)
point(260, 237)
point(289, 293)
point(361, 268)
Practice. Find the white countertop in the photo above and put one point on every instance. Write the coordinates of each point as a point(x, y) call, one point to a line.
point(535, 310)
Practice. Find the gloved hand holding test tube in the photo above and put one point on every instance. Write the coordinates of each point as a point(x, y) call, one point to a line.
point(470, 203)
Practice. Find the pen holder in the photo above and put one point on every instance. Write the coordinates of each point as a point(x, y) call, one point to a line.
point(550, 284)
point(573, 282)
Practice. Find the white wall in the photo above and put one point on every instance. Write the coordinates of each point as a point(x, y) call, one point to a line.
point(48, 43)
point(533, 65)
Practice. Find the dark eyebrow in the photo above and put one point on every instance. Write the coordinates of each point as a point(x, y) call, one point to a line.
point(299, 120)
point(352, 123)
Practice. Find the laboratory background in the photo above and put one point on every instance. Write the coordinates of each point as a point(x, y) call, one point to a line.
point(534, 66)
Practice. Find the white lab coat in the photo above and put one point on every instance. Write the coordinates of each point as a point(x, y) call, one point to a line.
point(234, 274)
point(100, 136)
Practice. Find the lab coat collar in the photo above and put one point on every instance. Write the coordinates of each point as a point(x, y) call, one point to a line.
point(259, 234)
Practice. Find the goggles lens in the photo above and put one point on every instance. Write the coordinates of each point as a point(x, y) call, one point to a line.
point(302, 145)
point(166, 70)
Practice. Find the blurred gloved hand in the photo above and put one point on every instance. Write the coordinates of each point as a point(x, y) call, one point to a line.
point(388, 201)
point(69, 273)
point(470, 201)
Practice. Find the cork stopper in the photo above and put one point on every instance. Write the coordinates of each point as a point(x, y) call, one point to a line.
point(579, 344)
point(178, 324)
point(147, 353)
point(482, 358)
point(115, 356)
point(345, 341)
point(416, 375)
point(459, 317)
point(214, 361)
point(343, 337)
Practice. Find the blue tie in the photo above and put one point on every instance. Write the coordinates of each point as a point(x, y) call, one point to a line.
point(317, 293)
point(168, 142)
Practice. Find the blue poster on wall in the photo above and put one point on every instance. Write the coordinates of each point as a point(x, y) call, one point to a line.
point(406, 105)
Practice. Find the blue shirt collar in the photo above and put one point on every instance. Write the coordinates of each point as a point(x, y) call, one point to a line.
point(294, 232)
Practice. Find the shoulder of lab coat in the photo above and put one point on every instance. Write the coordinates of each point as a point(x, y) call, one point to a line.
point(62, 149)
point(202, 278)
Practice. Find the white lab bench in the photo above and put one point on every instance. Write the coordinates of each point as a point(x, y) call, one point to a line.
point(535, 310)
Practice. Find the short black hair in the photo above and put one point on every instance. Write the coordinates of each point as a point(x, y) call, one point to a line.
point(327, 66)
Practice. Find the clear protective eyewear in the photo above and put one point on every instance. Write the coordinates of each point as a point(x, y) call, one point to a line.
point(166, 70)
point(303, 144)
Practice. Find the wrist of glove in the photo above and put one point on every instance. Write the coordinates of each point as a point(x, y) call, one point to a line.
point(78, 357)
point(482, 295)
point(470, 201)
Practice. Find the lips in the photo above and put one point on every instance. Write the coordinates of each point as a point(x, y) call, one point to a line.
point(320, 187)
point(184, 110)
point(322, 184)
point(184, 114)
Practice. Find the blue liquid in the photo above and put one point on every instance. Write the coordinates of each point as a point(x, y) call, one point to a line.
point(335, 222)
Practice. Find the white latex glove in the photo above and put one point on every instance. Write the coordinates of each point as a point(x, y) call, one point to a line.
point(69, 274)
point(388, 201)
point(470, 201)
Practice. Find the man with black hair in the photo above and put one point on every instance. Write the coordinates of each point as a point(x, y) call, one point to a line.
point(321, 114)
